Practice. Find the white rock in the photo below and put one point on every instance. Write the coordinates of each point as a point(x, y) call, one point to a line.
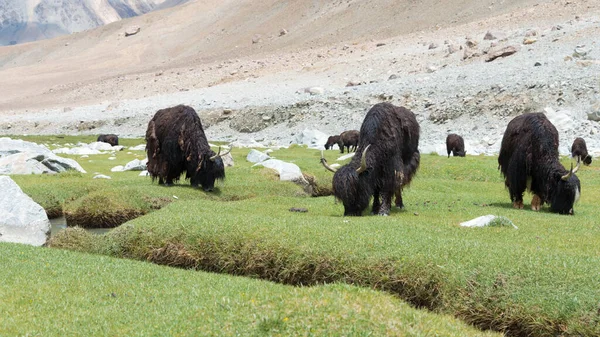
point(136, 165)
point(286, 171)
point(488, 220)
point(255, 156)
point(144, 173)
point(228, 160)
point(37, 163)
point(21, 219)
point(101, 176)
point(141, 147)
point(11, 146)
point(315, 139)
point(119, 168)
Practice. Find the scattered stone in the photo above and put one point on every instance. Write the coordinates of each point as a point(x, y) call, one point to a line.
point(380, 44)
point(20, 157)
point(101, 176)
point(531, 32)
point(315, 91)
point(141, 147)
point(354, 83)
point(144, 173)
point(529, 40)
point(489, 36)
point(471, 43)
point(433, 45)
point(256, 39)
point(300, 210)
point(132, 30)
point(392, 77)
point(118, 168)
point(581, 51)
point(504, 52)
point(22, 220)
point(537, 64)
point(136, 165)
point(283, 32)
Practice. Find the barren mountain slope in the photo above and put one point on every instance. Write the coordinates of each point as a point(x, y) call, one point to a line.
point(202, 32)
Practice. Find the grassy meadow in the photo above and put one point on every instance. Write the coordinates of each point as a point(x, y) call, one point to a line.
point(542, 279)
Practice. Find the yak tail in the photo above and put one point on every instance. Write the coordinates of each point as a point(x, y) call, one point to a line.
point(410, 167)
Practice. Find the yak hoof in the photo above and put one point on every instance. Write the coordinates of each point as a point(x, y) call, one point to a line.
point(518, 204)
point(168, 184)
point(536, 203)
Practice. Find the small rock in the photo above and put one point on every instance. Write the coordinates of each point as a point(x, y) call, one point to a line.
point(537, 64)
point(506, 51)
point(380, 44)
point(101, 176)
point(297, 209)
point(256, 39)
point(392, 77)
point(283, 32)
point(529, 40)
point(489, 36)
point(433, 45)
point(132, 30)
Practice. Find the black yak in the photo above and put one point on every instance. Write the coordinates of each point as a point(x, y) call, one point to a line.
point(386, 160)
point(111, 139)
point(456, 145)
point(349, 140)
point(529, 160)
point(175, 143)
point(332, 140)
point(579, 150)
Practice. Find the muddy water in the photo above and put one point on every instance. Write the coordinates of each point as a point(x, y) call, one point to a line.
point(58, 224)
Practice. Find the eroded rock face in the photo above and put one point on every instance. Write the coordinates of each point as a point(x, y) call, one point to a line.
point(22, 220)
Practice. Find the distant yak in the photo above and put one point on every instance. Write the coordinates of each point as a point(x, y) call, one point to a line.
point(332, 140)
point(456, 145)
point(349, 140)
point(176, 143)
point(111, 139)
point(529, 160)
point(386, 160)
point(579, 150)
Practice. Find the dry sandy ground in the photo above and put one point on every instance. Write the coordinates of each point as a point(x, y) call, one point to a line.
point(217, 55)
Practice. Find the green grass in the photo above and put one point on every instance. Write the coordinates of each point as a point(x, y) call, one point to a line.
point(50, 292)
point(540, 280)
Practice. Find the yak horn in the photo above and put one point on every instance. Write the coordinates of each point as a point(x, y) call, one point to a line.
point(571, 171)
point(219, 154)
point(324, 162)
point(363, 161)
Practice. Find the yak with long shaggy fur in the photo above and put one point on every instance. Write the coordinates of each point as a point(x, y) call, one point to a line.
point(176, 143)
point(111, 139)
point(455, 144)
point(529, 160)
point(579, 150)
point(349, 140)
point(331, 141)
point(386, 160)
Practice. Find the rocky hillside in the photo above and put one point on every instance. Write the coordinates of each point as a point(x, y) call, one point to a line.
point(31, 20)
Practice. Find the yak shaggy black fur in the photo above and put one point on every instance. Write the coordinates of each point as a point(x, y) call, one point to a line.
point(579, 150)
point(392, 158)
point(349, 140)
point(529, 155)
point(456, 145)
point(111, 139)
point(332, 140)
point(176, 143)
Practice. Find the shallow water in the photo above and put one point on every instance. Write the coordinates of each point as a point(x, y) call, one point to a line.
point(58, 224)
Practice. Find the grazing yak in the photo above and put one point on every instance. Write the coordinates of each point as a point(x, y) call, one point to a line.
point(579, 150)
point(175, 143)
point(348, 139)
point(529, 160)
point(456, 145)
point(386, 160)
point(111, 139)
point(332, 140)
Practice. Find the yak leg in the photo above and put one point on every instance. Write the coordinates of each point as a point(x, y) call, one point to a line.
point(518, 204)
point(376, 203)
point(516, 181)
point(536, 203)
point(398, 194)
point(386, 203)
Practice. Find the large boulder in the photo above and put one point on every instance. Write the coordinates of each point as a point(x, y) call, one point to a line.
point(315, 139)
point(286, 171)
point(22, 220)
point(21, 157)
point(255, 156)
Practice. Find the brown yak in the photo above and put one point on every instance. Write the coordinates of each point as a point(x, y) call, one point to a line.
point(348, 139)
point(176, 143)
point(111, 139)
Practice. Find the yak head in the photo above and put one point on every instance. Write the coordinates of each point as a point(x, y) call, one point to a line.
point(352, 186)
point(210, 168)
point(460, 153)
point(566, 192)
